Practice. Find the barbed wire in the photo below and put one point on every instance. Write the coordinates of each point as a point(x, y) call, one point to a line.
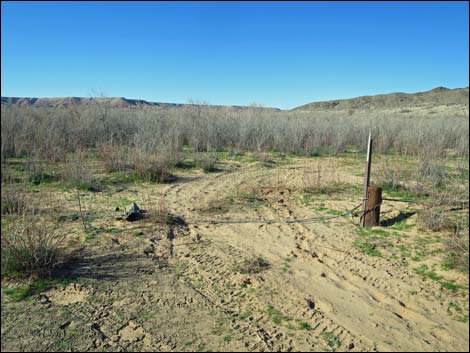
point(268, 221)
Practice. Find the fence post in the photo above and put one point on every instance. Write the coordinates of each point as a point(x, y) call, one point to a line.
point(366, 180)
point(374, 200)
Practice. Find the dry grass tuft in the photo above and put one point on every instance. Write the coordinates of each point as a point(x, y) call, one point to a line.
point(320, 178)
point(15, 200)
point(30, 247)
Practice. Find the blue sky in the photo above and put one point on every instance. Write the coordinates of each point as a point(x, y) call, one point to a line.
point(280, 54)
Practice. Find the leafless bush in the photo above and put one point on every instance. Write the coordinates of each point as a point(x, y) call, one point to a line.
point(432, 170)
point(434, 218)
point(76, 171)
point(253, 265)
point(30, 247)
point(457, 247)
point(38, 171)
point(153, 167)
point(319, 178)
point(51, 134)
point(116, 158)
point(206, 161)
point(157, 208)
point(390, 176)
point(15, 200)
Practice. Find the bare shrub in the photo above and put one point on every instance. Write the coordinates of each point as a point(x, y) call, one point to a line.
point(253, 265)
point(15, 200)
point(205, 161)
point(265, 159)
point(457, 247)
point(39, 172)
point(432, 171)
point(76, 172)
point(115, 157)
point(319, 178)
point(30, 247)
point(434, 218)
point(390, 176)
point(157, 208)
point(52, 133)
point(153, 167)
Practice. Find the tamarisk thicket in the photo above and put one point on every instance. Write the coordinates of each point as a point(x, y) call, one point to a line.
point(51, 133)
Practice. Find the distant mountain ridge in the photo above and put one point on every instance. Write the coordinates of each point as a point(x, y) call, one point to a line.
point(439, 96)
point(114, 102)
point(435, 97)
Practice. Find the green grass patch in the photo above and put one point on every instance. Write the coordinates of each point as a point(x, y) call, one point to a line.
point(18, 294)
point(245, 314)
point(368, 231)
point(275, 315)
point(253, 265)
point(401, 225)
point(331, 339)
point(454, 310)
point(426, 273)
point(367, 248)
point(304, 326)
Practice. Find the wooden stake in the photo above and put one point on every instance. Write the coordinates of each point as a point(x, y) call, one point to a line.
point(366, 179)
point(374, 200)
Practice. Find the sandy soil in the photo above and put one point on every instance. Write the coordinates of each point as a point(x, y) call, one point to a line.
point(147, 286)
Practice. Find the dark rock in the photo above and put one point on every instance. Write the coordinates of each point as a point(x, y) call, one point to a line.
point(135, 213)
point(134, 216)
point(310, 303)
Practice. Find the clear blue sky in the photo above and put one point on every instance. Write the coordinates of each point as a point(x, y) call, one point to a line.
point(280, 54)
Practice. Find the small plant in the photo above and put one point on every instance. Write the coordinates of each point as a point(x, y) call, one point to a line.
point(78, 174)
point(390, 177)
point(254, 265)
point(153, 168)
point(206, 161)
point(30, 247)
point(457, 245)
point(115, 157)
point(320, 179)
point(331, 339)
point(305, 326)
point(245, 315)
point(367, 248)
point(425, 272)
point(14, 200)
point(265, 159)
point(18, 294)
point(276, 316)
point(38, 173)
point(433, 218)
point(432, 171)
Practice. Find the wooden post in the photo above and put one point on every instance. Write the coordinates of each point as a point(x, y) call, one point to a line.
point(374, 199)
point(366, 179)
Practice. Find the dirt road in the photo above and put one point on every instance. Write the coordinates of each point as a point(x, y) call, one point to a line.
point(180, 286)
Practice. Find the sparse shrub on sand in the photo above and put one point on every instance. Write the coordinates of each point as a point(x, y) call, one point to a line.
point(30, 247)
point(253, 265)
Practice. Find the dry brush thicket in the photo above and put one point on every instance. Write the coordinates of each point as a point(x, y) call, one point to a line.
point(149, 143)
point(52, 133)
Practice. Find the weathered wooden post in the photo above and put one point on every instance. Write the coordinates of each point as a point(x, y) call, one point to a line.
point(374, 200)
point(366, 180)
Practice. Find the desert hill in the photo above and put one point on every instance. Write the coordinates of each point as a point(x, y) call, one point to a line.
point(439, 96)
point(114, 102)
